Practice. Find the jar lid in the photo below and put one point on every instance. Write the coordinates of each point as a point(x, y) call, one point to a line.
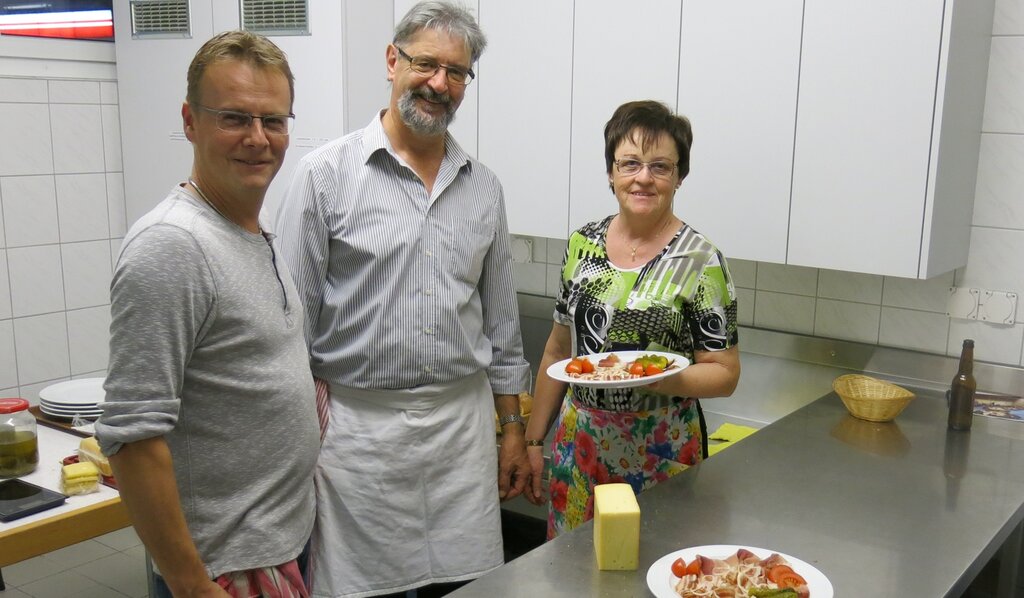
point(13, 405)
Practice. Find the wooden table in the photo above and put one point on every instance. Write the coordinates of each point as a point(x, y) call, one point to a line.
point(79, 519)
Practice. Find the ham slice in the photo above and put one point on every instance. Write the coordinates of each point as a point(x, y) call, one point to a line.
point(730, 576)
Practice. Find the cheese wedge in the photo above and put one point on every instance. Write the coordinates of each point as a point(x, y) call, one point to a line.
point(89, 450)
point(616, 527)
point(79, 478)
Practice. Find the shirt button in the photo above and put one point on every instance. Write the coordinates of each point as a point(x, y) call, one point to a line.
point(429, 292)
point(428, 330)
point(429, 253)
point(426, 369)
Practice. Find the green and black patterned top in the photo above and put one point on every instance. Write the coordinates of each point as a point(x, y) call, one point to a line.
point(681, 301)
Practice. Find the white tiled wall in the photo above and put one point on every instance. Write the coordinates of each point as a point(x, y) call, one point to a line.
point(62, 216)
point(892, 311)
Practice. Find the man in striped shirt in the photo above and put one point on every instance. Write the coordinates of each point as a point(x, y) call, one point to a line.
point(399, 246)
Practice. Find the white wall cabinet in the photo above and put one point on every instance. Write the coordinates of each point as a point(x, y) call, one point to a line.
point(738, 69)
point(621, 52)
point(839, 134)
point(881, 99)
point(525, 92)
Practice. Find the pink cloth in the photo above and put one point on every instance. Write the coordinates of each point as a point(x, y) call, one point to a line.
point(323, 398)
point(282, 581)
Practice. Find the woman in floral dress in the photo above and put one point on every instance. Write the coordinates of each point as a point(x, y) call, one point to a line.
point(638, 280)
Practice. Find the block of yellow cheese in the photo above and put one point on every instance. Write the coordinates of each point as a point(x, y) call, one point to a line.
point(79, 478)
point(89, 450)
point(616, 527)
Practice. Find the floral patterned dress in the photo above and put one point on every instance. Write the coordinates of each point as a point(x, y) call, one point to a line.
point(681, 301)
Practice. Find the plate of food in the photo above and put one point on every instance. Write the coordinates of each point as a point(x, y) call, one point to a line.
point(715, 570)
point(617, 369)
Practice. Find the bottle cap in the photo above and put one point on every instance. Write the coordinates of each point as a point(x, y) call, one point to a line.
point(13, 405)
point(969, 342)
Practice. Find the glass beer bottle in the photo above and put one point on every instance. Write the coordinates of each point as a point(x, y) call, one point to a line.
point(961, 392)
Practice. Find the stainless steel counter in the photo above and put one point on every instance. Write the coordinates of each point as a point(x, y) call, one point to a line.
point(899, 509)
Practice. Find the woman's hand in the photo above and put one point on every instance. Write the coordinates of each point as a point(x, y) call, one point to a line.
point(535, 491)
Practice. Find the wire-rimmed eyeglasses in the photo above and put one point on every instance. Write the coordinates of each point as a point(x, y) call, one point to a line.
point(233, 121)
point(661, 169)
point(427, 66)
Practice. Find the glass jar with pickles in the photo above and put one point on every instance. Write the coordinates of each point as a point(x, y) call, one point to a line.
point(19, 443)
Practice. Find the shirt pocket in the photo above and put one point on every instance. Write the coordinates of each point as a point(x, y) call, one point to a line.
point(468, 247)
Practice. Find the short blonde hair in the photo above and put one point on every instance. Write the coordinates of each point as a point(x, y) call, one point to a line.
point(243, 46)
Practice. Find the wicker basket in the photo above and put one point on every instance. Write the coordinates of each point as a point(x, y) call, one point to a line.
point(871, 399)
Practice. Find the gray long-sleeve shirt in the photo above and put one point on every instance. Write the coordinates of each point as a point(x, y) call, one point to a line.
point(206, 349)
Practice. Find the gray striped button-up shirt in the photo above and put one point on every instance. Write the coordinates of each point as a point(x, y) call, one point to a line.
point(402, 288)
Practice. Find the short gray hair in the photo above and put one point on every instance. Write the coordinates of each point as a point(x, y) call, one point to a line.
point(450, 18)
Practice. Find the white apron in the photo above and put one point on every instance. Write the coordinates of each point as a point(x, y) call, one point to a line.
point(407, 489)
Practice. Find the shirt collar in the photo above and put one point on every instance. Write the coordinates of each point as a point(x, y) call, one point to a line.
point(375, 139)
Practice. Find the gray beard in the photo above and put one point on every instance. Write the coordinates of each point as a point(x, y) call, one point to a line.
point(420, 122)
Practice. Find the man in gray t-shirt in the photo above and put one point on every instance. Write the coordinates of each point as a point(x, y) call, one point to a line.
point(210, 419)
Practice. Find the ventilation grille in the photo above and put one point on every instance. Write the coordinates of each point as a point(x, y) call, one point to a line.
point(160, 18)
point(276, 17)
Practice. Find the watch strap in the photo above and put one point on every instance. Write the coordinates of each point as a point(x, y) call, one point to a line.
point(509, 419)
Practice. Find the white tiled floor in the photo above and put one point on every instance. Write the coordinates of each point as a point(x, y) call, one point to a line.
point(110, 566)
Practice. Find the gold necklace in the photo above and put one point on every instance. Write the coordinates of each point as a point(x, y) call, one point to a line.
point(202, 196)
point(633, 248)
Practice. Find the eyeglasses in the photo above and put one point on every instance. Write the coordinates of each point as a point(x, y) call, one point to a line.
point(658, 168)
point(236, 122)
point(428, 66)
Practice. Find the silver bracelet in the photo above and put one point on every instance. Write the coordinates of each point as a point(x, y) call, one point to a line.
point(508, 419)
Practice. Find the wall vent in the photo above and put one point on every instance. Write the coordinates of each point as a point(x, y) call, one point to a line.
point(160, 19)
point(276, 17)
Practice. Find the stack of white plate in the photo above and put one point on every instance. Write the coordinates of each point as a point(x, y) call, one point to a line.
point(73, 398)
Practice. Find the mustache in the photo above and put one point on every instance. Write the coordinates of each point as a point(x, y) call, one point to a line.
point(432, 96)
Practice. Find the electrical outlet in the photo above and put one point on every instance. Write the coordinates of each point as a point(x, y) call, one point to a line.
point(522, 250)
point(996, 307)
point(963, 303)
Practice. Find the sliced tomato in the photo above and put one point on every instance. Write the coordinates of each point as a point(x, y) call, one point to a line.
point(790, 579)
point(573, 367)
point(636, 368)
point(784, 577)
point(693, 568)
point(777, 570)
point(653, 370)
point(586, 365)
point(679, 568)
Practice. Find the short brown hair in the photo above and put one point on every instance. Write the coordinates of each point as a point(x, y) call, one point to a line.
point(243, 46)
point(648, 119)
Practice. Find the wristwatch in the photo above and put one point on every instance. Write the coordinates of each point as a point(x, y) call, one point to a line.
point(508, 419)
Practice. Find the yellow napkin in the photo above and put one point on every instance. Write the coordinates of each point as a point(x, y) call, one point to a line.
point(728, 433)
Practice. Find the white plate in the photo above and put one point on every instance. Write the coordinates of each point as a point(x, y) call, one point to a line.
point(661, 581)
point(84, 391)
point(70, 412)
point(53, 405)
point(557, 370)
point(70, 416)
point(69, 405)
